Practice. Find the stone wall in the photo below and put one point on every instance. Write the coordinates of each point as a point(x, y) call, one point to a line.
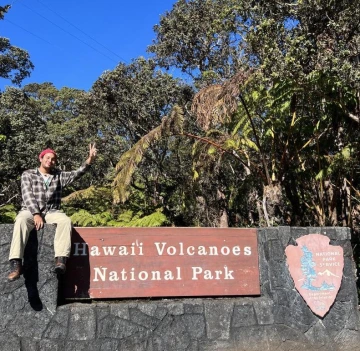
point(34, 317)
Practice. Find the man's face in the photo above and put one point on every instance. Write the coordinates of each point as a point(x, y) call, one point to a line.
point(48, 161)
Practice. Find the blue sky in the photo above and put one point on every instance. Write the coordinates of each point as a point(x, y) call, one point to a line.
point(72, 42)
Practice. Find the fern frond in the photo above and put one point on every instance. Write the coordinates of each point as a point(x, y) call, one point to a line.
point(129, 161)
point(205, 105)
point(243, 124)
point(84, 218)
point(156, 219)
point(88, 193)
point(216, 103)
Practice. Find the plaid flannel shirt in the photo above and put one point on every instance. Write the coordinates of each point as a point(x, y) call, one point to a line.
point(39, 198)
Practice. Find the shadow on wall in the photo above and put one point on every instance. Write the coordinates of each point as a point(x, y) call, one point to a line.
point(75, 283)
point(31, 269)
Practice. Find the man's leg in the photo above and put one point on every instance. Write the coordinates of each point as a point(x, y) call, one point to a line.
point(62, 239)
point(24, 224)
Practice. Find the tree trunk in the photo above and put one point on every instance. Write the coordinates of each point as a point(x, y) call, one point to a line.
point(224, 220)
point(273, 204)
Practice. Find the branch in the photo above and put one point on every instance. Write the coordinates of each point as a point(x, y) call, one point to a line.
point(354, 117)
point(8, 200)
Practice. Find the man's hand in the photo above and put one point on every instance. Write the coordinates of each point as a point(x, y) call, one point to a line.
point(92, 154)
point(39, 222)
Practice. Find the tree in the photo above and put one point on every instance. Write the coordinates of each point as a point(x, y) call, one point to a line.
point(290, 119)
point(34, 118)
point(201, 37)
point(123, 105)
point(22, 128)
point(15, 63)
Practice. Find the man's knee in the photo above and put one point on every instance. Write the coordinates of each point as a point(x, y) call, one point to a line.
point(64, 220)
point(24, 218)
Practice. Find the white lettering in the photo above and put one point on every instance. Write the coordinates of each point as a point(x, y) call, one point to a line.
point(155, 275)
point(102, 274)
point(143, 275)
point(330, 264)
point(132, 248)
point(171, 250)
point(132, 274)
point(180, 249)
point(160, 251)
point(123, 274)
point(225, 250)
point(236, 250)
point(123, 251)
point(208, 275)
point(196, 271)
point(109, 250)
point(192, 252)
point(113, 277)
point(328, 253)
point(181, 246)
point(247, 251)
point(95, 251)
point(178, 273)
point(213, 251)
point(202, 250)
point(228, 274)
point(141, 249)
point(168, 275)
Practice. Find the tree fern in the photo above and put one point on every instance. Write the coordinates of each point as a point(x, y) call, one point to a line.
point(83, 218)
point(129, 161)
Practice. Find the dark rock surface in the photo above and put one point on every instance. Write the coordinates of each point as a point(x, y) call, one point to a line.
point(279, 319)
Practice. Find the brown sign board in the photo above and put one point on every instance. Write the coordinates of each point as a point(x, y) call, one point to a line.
point(162, 262)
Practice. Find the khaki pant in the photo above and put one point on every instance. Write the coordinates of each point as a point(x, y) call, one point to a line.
point(24, 224)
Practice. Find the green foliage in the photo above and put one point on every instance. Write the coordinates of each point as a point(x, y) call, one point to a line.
point(7, 213)
point(130, 159)
point(274, 141)
point(127, 219)
point(199, 35)
point(83, 218)
point(95, 199)
point(15, 63)
point(39, 116)
point(336, 163)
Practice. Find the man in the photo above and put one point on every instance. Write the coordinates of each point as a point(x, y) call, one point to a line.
point(41, 190)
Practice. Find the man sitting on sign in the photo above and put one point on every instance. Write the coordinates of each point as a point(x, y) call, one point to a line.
point(41, 191)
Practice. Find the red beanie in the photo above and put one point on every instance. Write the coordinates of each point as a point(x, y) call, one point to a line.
point(47, 151)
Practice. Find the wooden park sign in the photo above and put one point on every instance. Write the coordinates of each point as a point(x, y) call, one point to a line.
point(162, 262)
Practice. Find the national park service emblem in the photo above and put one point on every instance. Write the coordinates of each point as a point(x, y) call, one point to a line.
point(316, 268)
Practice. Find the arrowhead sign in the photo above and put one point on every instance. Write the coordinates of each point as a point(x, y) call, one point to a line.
point(316, 268)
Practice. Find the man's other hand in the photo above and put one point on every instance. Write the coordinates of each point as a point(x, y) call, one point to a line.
point(39, 222)
point(92, 154)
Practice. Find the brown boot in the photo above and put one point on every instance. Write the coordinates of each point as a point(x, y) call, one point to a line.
point(60, 265)
point(15, 269)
